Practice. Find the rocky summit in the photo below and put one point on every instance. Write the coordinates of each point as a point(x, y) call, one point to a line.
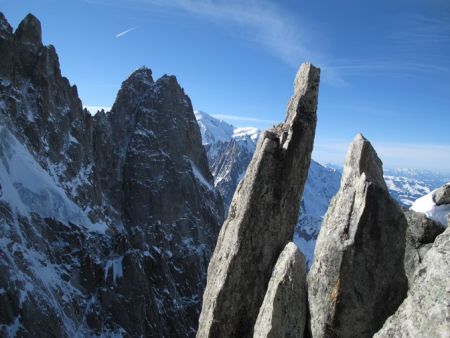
point(261, 218)
point(107, 222)
point(357, 279)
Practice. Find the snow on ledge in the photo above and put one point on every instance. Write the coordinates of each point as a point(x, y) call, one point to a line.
point(426, 205)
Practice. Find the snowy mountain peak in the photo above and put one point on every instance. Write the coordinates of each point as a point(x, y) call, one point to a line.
point(214, 130)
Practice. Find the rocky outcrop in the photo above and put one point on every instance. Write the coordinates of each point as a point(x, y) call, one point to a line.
point(107, 223)
point(357, 279)
point(420, 235)
point(261, 218)
point(283, 311)
point(425, 311)
point(442, 195)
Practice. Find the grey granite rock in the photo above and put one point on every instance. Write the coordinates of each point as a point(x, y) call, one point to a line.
point(283, 311)
point(442, 195)
point(357, 279)
point(420, 235)
point(426, 310)
point(262, 217)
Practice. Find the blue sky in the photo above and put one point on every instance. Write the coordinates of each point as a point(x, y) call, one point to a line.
point(385, 64)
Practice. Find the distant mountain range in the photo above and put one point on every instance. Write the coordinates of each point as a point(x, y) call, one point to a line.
point(406, 184)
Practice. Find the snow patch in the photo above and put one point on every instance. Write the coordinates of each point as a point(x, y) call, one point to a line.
point(198, 175)
point(114, 264)
point(438, 213)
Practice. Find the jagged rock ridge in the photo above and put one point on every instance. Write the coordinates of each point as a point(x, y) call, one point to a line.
point(261, 218)
point(358, 279)
point(107, 222)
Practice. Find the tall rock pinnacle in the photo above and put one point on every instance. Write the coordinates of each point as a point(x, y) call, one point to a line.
point(262, 217)
point(357, 279)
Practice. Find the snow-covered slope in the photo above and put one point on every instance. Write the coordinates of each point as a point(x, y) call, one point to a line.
point(29, 189)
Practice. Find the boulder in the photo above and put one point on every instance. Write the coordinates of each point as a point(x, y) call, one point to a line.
point(442, 195)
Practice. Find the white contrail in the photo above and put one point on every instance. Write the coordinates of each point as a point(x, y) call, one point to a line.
point(125, 32)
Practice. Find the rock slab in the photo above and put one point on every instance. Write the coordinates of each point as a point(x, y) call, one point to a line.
point(357, 279)
point(283, 311)
point(262, 217)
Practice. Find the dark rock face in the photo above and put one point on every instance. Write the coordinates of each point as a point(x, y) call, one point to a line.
point(107, 223)
point(261, 218)
point(283, 311)
point(420, 235)
point(357, 279)
point(425, 311)
point(442, 195)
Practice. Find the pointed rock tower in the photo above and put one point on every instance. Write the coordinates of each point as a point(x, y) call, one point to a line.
point(262, 217)
point(357, 279)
